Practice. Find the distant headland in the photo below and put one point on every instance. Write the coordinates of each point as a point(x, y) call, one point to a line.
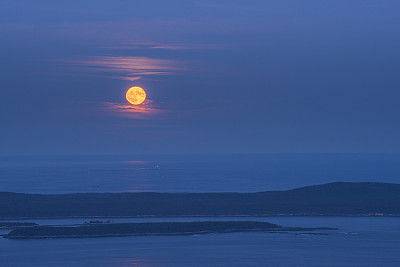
point(333, 199)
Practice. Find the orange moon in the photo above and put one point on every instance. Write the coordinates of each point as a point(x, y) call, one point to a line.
point(135, 95)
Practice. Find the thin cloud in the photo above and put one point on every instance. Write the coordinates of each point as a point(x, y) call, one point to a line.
point(131, 68)
point(152, 45)
point(145, 45)
point(170, 47)
point(143, 111)
point(132, 79)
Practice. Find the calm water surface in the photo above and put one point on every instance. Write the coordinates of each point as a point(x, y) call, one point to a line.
point(240, 173)
point(358, 242)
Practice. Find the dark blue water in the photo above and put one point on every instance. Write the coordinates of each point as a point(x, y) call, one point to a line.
point(240, 173)
point(358, 242)
point(368, 241)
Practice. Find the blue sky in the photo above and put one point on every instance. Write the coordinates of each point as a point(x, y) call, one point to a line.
point(220, 76)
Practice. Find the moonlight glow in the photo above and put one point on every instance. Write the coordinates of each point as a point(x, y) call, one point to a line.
point(135, 95)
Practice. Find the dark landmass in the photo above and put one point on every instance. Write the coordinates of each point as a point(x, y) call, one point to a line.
point(161, 228)
point(10, 225)
point(334, 199)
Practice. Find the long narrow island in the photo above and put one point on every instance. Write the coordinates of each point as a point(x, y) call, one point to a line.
point(154, 228)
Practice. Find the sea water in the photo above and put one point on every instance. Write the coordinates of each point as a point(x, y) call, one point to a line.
point(359, 241)
point(191, 173)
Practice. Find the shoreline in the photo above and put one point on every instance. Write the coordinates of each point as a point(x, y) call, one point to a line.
point(151, 229)
point(200, 216)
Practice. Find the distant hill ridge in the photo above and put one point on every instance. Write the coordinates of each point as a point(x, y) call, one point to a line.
point(339, 198)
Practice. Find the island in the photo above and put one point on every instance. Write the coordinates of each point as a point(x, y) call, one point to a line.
point(152, 228)
point(333, 199)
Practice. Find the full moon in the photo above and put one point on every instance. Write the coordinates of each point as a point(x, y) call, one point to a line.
point(135, 95)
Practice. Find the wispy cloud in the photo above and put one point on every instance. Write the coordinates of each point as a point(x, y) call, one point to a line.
point(143, 111)
point(138, 45)
point(146, 45)
point(171, 47)
point(130, 68)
